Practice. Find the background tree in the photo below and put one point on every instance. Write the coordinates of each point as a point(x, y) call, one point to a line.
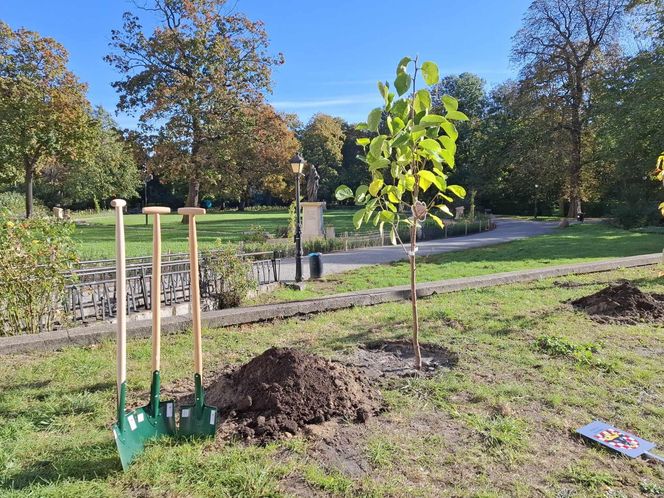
point(109, 171)
point(561, 45)
point(44, 114)
point(260, 161)
point(322, 141)
point(191, 79)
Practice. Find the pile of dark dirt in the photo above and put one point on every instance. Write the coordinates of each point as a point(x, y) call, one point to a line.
point(622, 302)
point(385, 359)
point(284, 390)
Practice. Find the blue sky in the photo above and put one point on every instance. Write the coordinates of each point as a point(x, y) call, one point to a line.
point(335, 50)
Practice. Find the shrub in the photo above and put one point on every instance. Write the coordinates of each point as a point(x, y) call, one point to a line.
point(231, 276)
point(561, 346)
point(13, 203)
point(256, 233)
point(34, 255)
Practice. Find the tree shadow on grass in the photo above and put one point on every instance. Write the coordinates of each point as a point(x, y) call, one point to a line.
point(85, 463)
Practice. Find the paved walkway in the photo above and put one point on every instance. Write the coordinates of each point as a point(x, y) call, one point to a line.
point(507, 229)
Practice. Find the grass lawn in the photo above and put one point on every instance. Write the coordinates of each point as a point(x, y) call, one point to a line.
point(575, 244)
point(97, 239)
point(499, 423)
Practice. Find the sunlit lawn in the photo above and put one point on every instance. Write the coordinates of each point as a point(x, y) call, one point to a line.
point(96, 239)
point(575, 244)
point(500, 423)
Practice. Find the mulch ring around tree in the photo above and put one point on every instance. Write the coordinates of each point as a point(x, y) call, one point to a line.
point(622, 302)
point(283, 391)
point(390, 359)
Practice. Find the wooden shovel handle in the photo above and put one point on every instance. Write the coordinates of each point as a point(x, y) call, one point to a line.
point(120, 292)
point(195, 286)
point(155, 287)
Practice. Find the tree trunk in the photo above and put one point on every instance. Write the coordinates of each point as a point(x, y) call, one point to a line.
point(575, 135)
point(29, 182)
point(413, 296)
point(192, 197)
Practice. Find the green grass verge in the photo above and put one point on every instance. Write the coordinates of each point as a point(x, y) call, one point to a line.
point(96, 239)
point(499, 423)
point(576, 244)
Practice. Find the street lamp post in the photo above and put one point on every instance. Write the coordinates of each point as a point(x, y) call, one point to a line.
point(146, 178)
point(297, 165)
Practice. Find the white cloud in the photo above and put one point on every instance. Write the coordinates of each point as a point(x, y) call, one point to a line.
point(326, 102)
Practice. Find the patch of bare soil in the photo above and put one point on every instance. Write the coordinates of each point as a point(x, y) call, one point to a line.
point(283, 390)
point(387, 359)
point(622, 302)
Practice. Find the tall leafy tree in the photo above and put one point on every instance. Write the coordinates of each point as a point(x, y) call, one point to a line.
point(44, 114)
point(260, 161)
point(190, 81)
point(561, 45)
point(322, 142)
point(109, 171)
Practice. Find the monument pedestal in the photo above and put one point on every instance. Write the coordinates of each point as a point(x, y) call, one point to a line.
point(312, 220)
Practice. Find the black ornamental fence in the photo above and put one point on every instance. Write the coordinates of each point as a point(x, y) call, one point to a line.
point(92, 295)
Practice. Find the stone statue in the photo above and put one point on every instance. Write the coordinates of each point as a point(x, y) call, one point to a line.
point(313, 179)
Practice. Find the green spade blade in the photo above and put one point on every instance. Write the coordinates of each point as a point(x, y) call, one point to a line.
point(134, 428)
point(198, 419)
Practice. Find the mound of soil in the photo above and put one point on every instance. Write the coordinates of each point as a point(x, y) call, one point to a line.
point(385, 359)
point(284, 390)
point(622, 302)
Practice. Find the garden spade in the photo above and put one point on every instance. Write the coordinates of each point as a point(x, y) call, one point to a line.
point(160, 415)
point(197, 419)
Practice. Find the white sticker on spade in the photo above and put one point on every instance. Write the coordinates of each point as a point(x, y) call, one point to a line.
point(185, 412)
point(140, 417)
point(132, 422)
point(212, 417)
point(169, 409)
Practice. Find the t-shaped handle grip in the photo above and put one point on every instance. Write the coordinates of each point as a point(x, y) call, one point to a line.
point(191, 211)
point(156, 210)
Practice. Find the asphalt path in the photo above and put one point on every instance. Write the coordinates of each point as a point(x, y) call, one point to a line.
point(507, 229)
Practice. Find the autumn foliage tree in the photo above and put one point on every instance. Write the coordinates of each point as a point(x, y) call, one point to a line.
point(44, 114)
point(190, 81)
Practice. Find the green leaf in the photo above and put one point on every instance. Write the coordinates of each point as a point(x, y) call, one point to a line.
point(450, 103)
point(432, 120)
point(456, 116)
point(374, 119)
point(430, 144)
point(402, 83)
point(457, 190)
point(382, 88)
point(386, 216)
point(430, 73)
point(422, 100)
point(357, 218)
point(375, 186)
point(440, 183)
point(377, 163)
point(444, 209)
point(448, 143)
point(362, 141)
point(426, 178)
point(409, 182)
point(437, 220)
point(361, 194)
point(403, 65)
point(400, 139)
point(400, 109)
point(447, 156)
point(450, 129)
point(361, 126)
point(343, 192)
point(377, 145)
point(397, 125)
